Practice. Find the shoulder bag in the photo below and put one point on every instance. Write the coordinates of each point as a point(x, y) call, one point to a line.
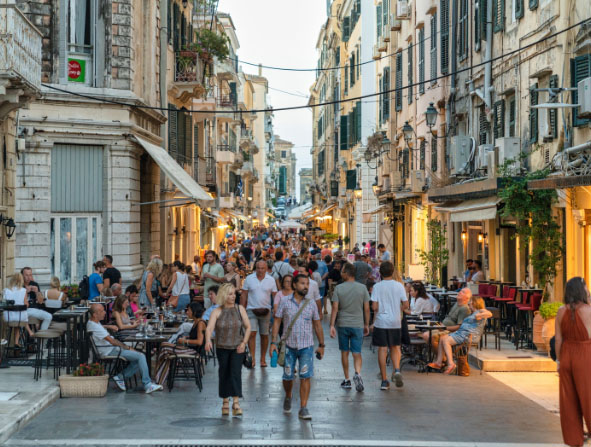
point(247, 360)
point(282, 346)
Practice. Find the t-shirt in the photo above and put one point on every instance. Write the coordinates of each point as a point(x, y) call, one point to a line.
point(362, 271)
point(389, 295)
point(215, 270)
point(322, 268)
point(478, 276)
point(259, 291)
point(456, 315)
point(386, 256)
point(93, 280)
point(423, 306)
point(351, 297)
point(335, 275)
point(99, 333)
point(281, 269)
point(113, 275)
point(247, 253)
point(313, 291)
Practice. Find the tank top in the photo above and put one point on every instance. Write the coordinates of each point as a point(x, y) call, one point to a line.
point(181, 285)
point(227, 328)
point(144, 301)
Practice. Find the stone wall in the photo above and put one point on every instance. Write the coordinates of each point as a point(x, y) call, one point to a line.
point(122, 30)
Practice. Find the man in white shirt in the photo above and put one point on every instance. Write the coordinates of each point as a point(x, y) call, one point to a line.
point(107, 345)
point(313, 289)
point(388, 297)
point(258, 291)
point(280, 268)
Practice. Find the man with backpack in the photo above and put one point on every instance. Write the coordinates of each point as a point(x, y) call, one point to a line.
point(280, 268)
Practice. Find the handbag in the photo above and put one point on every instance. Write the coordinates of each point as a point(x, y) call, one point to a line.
point(282, 346)
point(260, 311)
point(462, 365)
point(247, 360)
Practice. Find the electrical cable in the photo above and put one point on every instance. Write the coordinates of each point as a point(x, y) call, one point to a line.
point(328, 103)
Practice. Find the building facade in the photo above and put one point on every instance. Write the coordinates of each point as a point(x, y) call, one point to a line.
point(284, 168)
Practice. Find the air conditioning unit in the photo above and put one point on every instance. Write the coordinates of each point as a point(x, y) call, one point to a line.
point(396, 179)
point(402, 9)
point(376, 53)
point(509, 149)
point(584, 87)
point(483, 150)
point(459, 154)
point(382, 45)
point(395, 24)
point(417, 181)
point(492, 164)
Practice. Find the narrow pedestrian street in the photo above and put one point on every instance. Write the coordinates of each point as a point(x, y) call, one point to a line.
point(430, 407)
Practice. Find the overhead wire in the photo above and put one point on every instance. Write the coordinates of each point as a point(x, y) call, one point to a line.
point(327, 103)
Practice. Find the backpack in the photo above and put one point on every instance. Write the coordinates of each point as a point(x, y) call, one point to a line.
point(84, 288)
point(278, 272)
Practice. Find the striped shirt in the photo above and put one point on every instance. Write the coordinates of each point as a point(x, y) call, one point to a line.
point(302, 333)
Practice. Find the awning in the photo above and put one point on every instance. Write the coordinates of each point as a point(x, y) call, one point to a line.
point(235, 215)
point(560, 182)
point(468, 210)
point(181, 178)
point(328, 208)
point(375, 210)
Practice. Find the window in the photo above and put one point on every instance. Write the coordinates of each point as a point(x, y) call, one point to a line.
point(422, 150)
point(379, 21)
point(580, 69)
point(518, 8)
point(477, 25)
point(422, 60)
point(358, 63)
point(321, 163)
point(533, 114)
point(344, 132)
point(75, 245)
point(405, 163)
point(482, 126)
point(351, 179)
point(512, 116)
point(553, 113)
point(410, 72)
point(433, 62)
point(434, 155)
point(346, 79)
point(533, 4)
point(283, 154)
point(463, 25)
point(498, 15)
point(386, 96)
point(499, 119)
point(444, 25)
point(352, 71)
point(283, 174)
point(398, 97)
point(346, 29)
point(78, 48)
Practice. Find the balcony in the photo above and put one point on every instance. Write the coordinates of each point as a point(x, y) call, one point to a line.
point(247, 169)
point(225, 154)
point(206, 173)
point(239, 161)
point(188, 74)
point(225, 202)
point(226, 69)
point(20, 60)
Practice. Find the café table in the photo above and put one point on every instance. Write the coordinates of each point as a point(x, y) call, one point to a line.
point(430, 328)
point(150, 341)
point(76, 319)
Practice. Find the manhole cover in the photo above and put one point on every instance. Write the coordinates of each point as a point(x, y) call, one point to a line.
point(203, 422)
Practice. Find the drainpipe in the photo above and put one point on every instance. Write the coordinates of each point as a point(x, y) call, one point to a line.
point(163, 127)
point(488, 57)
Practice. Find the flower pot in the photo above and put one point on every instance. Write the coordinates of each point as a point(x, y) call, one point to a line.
point(93, 386)
point(537, 332)
point(548, 331)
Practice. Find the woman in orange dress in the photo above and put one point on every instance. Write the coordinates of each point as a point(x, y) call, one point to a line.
point(573, 360)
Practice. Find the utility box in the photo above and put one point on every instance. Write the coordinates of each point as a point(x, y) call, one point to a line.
point(509, 148)
point(417, 181)
point(584, 87)
point(459, 154)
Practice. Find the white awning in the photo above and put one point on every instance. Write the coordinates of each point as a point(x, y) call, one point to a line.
point(375, 210)
point(472, 210)
point(181, 178)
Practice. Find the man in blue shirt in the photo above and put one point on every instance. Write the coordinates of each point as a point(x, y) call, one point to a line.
point(95, 281)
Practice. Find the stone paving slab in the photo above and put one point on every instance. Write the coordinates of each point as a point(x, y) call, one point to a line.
point(430, 408)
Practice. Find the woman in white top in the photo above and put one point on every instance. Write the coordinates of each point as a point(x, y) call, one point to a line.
point(17, 293)
point(233, 276)
point(54, 297)
point(422, 302)
point(179, 287)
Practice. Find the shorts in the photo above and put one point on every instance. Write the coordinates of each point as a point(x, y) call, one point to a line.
point(350, 339)
point(305, 360)
point(259, 324)
point(386, 337)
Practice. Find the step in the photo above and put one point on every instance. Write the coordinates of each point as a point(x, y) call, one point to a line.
point(511, 360)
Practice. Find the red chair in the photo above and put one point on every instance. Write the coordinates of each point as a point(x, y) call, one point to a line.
point(526, 311)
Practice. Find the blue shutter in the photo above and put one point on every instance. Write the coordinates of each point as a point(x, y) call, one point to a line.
point(344, 133)
point(351, 179)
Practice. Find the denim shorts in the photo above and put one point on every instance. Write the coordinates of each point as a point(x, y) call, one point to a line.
point(183, 302)
point(305, 359)
point(350, 339)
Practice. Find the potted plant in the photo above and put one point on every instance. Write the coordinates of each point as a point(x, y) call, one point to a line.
point(209, 44)
point(88, 380)
point(548, 312)
point(71, 291)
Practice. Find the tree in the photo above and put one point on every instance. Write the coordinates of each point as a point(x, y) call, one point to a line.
point(436, 258)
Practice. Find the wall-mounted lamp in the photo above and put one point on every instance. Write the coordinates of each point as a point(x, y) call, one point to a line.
point(8, 222)
point(482, 237)
point(464, 236)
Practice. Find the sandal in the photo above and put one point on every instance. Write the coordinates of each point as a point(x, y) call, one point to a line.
point(450, 370)
point(226, 408)
point(434, 365)
point(236, 410)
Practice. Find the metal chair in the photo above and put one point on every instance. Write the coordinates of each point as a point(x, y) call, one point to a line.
point(493, 327)
point(55, 357)
point(186, 367)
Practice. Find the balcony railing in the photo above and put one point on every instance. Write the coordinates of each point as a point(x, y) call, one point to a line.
point(226, 147)
point(226, 101)
point(204, 171)
point(20, 52)
point(188, 66)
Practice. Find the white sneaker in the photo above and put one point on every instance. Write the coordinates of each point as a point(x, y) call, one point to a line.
point(153, 387)
point(120, 383)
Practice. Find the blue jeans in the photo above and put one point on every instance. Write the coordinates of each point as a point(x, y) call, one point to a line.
point(305, 359)
point(182, 303)
point(350, 339)
point(137, 361)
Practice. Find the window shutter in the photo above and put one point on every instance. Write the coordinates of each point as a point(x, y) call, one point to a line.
point(352, 71)
point(169, 30)
point(499, 120)
point(422, 60)
point(533, 4)
point(434, 48)
point(172, 131)
point(195, 143)
point(381, 102)
point(477, 26)
point(553, 113)
point(344, 133)
point(498, 15)
point(386, 96)
point(410, 73)
point(444, 22)
point(434, 155)
point(482, 126)
point(386, 15)
point(346, 29)
point(580, 69)
point(346, 78)
point(321, 163)
point(533, 114)
point(463, 30)
point(483, 25)
point(334, 188)
point(405, 167)
point(379, 20)
point(399, 82)
point(358, 133)
point(512, 117)
point(518, 8)
point(423, 149)
point(189, 137)
point(351, 179)
point(181, 135)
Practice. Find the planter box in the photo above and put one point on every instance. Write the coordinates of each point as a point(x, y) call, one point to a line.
point(71, 386)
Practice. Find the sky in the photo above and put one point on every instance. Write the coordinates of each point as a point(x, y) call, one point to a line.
point(282, 33)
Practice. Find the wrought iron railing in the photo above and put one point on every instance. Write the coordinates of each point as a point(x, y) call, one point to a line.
point(188, 66)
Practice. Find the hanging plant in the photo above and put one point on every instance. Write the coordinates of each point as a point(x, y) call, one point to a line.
point(209, 44)
point(436, 258)
point(535, 221)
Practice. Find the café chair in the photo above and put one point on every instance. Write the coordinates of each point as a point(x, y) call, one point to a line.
point(493, 327)
point(113, 364)
point(54, 352)
point(186, 367)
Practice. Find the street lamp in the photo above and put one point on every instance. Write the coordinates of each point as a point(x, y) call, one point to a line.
point(358, 191)
point(8, 222)
point(376, 187)
point(408, 132)
point(431, 116)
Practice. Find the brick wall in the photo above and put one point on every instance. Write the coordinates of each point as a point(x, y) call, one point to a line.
point(122, 52)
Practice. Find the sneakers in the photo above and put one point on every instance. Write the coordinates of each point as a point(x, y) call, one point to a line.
point(385, 385)
point(397, 379)
point(120, 383)
point(346, 384)
point(153, 387)
point(287, 405)
point(305, 414)
point(358, 381)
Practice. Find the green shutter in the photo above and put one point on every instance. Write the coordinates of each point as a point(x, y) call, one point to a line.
point(518, 8)
point(444, 25)
point(398, 82)
point(483, 24)
point(386, 15)
point(358, 135)
point(172, 131)
point(512, 117)
point(423, 148)
point(553, 113)
point(189, 137)
point(386, 96)
point(233, 93)
point(352, 127)
point(533, 114)
point(379, 20)
point(533, 4)
point(499, 119)
point(351, 179)
point(422, 60)
point(482, 126)
point(434, 155)
point(381, 102)
point(195, 143)
point(433, 62)
point(344, 133)
point(410, 72)
point(346, 29)
point(334, 188)
point(498, 15)
point(181, 135)
point(477, 26)
point(580, 69)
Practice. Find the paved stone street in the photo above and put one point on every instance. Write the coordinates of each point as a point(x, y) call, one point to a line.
point(431, 407)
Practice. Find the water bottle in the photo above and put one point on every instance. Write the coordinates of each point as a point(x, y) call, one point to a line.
point(274, 360)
